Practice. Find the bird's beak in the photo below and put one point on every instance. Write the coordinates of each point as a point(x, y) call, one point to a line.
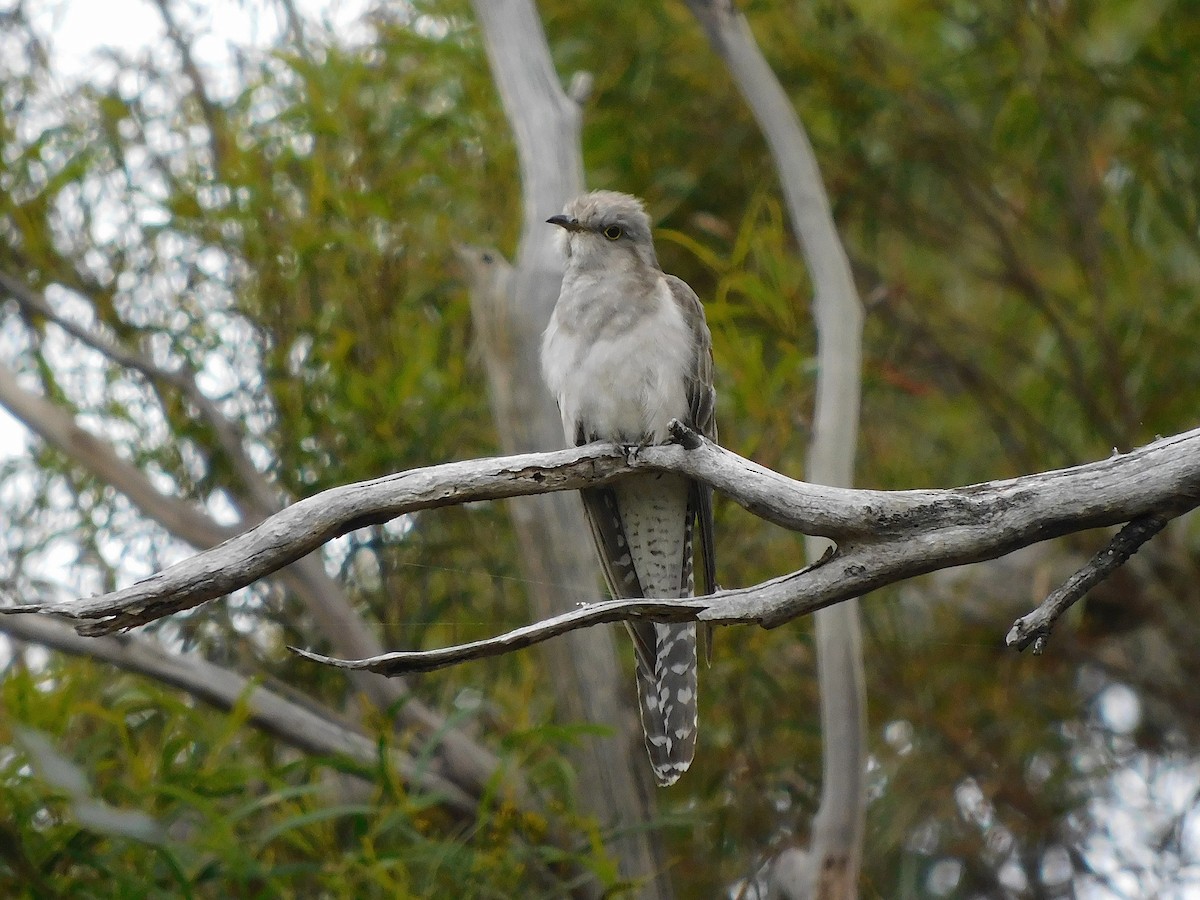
point(565, 222)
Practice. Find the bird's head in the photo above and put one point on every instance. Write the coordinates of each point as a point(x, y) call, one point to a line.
point(605, 229)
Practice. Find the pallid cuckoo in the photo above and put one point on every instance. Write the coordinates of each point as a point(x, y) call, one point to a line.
point(626, 351)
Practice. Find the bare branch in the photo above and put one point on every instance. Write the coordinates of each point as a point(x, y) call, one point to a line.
point(214, 116)
point(228, 436)
point(1035, 628)
point(885, 536)
point(840, 822)
point(407, 663)
point(303, 727)
point(58, 428)
point(304, 526)
point(544, 120)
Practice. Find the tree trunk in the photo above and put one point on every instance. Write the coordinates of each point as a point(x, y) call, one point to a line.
point(511, 306)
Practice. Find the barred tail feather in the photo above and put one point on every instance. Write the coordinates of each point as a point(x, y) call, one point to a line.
point(667, 699)
point(643, 527)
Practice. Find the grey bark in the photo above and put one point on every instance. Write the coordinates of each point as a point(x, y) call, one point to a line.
point(511, 306)
point(837, 831)
point(1036, 627)
point(882, 537)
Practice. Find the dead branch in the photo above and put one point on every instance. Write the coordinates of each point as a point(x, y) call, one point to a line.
point(883, 537)
point(838, 827)
point(309, 728)
point(1036, 627)
point(227, 434)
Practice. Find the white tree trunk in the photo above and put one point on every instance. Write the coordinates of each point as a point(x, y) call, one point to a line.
point(510, 307)
point(837, 831)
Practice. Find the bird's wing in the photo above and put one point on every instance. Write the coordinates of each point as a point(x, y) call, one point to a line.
point(702, 405)
point(608, 532)
point(702, 396)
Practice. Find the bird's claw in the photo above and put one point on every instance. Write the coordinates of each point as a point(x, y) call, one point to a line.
point(632, 450)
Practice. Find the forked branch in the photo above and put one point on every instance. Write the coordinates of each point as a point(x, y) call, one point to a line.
point(1035, 628)
point(883, 537)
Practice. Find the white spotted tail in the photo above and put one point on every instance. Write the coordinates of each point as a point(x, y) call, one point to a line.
point(644, 524)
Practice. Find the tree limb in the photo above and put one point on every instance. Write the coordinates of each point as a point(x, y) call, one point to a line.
point(227, 433)
point(57, 427)
point(299, 726)
point(1035, 628)
point(839, 825)
point(883, 536)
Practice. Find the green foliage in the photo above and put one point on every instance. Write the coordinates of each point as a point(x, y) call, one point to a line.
point(233, 814)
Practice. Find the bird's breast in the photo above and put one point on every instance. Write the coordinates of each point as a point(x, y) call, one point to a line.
point(620, 383)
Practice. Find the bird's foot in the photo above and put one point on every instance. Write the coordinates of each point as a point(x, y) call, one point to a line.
point(632, 450)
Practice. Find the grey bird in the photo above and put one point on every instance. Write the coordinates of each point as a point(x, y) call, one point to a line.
point(626, 351)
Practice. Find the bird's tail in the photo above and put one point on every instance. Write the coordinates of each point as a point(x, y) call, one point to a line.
point(666, 658)
point(643, 528)
point(667, 699)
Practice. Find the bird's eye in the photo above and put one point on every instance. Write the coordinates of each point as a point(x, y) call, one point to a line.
point(612, 232)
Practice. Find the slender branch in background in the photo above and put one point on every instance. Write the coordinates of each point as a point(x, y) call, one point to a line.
point(310, 728)
point(297, 32)
point(214, 115)
point(1017, 275)
point(510, 307)
point(57, 427)
point(838, 827)
point(227, 433)
point(1035, 628)
point(906, 320)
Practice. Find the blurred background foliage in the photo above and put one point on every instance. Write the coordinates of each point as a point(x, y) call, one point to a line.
point(1017, 186)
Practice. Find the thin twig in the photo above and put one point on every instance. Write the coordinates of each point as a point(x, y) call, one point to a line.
point(214, 115)
point(310, 727)
point(410, 662)
point(1035, 628)
point(228, 436)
